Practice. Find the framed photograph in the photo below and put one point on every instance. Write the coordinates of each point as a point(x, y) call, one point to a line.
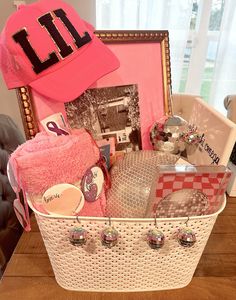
point(124, 103)
point(109, 112)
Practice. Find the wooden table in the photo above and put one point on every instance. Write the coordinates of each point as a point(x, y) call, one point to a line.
point(29, 274)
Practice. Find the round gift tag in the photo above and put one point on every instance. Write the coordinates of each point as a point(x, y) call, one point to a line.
point(92, 183)
point(63, 199)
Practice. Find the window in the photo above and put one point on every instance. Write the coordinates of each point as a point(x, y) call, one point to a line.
point(201, 47)
point(202, 40)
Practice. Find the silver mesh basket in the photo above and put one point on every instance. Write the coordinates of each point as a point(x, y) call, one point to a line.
point(132, 179)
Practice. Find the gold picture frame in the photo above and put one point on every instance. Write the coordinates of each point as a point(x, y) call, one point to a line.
point(158, 40)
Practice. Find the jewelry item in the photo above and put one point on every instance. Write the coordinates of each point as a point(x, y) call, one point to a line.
point(109, 236)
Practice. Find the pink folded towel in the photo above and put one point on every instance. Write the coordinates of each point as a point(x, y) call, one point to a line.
point(48, 160)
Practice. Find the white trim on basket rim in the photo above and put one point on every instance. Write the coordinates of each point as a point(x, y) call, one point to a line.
point(103, 219)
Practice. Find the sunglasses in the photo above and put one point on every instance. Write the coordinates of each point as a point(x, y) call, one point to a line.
point(19, 204)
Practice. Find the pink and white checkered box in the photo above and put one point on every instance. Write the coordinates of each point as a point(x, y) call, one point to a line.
point(210, 180)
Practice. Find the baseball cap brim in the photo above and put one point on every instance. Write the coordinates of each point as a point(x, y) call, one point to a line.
point(69, 82)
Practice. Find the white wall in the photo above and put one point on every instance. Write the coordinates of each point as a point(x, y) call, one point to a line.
point(8, 99)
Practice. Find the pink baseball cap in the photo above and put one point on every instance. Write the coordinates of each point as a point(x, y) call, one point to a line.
point(47, 46)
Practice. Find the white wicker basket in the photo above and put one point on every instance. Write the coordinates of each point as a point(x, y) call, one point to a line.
point(129, 266)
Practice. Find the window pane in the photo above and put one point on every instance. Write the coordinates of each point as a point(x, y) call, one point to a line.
point(216, 15)
point(209, 69)
point(193, 21)
point(184, 74)
point(213, 39)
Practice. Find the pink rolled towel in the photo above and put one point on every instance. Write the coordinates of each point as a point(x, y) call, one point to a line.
point(48, 160)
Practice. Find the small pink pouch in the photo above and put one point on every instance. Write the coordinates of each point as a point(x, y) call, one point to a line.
point(48, 160)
